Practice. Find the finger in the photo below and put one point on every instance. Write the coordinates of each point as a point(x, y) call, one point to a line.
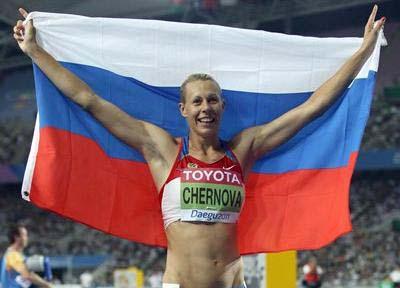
point(23, 12)
point(372, 16)
point(19, 30)
point(18, 27)
point(17, 37)
point(380, 23)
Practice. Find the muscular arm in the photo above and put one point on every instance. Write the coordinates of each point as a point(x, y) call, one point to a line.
point(141, 135)
point(37, 280)
point(254, 142)
point(155, 144)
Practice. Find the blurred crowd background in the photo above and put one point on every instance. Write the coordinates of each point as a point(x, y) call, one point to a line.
point(365, 257)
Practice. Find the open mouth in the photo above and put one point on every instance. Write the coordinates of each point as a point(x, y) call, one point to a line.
point(206, 120)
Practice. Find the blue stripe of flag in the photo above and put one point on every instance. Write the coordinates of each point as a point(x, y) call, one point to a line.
point(324, 143)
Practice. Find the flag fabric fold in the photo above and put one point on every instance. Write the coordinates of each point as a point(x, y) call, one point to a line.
point(296, 196)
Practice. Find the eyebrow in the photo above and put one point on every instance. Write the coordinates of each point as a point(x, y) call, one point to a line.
point(197, 97)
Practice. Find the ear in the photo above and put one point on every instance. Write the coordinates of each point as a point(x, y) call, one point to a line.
point(182, 109)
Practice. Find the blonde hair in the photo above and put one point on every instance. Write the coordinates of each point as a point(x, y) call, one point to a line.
point(196, 77)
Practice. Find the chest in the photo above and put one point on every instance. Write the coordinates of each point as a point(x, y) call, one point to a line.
point(206, 192)
point(207, 171)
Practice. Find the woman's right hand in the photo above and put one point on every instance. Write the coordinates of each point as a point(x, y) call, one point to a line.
point(25, 34)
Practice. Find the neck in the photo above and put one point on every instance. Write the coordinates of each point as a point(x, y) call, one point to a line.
point(16, 247)
point(203, 144)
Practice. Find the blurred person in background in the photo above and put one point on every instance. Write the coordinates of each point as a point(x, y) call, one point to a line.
point(155, 278)
point(395, 277)
point(86, 279)
point(312, 274)
point(13, 269)
point(386, 283)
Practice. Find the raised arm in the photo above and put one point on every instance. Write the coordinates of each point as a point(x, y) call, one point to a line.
point(156, 145)
point(254, 142)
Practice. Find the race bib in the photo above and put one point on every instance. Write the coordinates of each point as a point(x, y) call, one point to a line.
point(211, 195)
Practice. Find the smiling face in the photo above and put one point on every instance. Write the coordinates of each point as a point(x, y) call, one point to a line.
point(202, 107)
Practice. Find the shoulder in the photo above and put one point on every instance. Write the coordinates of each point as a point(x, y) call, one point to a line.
point(12, 254)
point(241, 145)
point(14, 258)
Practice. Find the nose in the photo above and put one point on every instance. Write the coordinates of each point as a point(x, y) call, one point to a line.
point(205, 106)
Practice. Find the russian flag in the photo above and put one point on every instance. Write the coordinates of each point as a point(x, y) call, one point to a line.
point(296, 196)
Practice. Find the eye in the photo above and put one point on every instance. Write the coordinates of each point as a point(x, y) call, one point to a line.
point(197, 101)
point(213, 99)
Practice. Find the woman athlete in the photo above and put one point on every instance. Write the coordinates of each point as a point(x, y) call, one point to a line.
point(202, 249)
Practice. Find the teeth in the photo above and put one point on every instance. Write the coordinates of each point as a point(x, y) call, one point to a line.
point(206, 120)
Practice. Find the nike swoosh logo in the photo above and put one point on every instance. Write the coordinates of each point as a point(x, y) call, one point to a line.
point(228, 168)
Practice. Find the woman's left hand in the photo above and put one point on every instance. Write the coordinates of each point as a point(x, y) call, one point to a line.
point(370, 32)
